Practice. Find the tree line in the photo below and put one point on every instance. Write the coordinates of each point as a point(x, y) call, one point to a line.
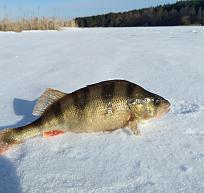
point(180, 13)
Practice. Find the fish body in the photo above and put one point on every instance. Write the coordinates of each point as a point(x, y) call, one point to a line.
point(104, 106)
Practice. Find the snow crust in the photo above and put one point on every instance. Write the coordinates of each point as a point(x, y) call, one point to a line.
point(167, 158)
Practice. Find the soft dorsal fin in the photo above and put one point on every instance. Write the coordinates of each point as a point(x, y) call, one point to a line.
point(46, 99)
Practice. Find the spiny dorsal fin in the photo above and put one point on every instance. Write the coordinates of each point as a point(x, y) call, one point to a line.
point(46, 99)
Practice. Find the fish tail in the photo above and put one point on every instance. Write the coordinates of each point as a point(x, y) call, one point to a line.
point(8, 140)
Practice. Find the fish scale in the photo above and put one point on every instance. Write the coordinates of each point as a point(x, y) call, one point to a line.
point(104, 106)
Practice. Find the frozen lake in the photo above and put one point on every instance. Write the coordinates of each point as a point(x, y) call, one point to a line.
point(167, 158)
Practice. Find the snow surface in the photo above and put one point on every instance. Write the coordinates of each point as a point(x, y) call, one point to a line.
point(167, 158)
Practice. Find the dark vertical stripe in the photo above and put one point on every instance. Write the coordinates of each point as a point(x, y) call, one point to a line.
point(57, 111)
point(130, 90)
point(81, 98)
point(107, 92)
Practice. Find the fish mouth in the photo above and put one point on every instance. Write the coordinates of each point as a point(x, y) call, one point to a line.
point(164, 111)
point(168, 110)
point(167, 106)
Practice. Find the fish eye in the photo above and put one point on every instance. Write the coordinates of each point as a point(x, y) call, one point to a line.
point(156, 101)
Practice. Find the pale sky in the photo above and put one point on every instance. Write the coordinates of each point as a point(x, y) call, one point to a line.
point(71, 8)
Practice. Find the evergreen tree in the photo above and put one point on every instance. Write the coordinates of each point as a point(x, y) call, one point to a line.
point(180, 13)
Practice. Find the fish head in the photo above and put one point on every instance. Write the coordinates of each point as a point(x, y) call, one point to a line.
point(149, 106)
point(159, 106)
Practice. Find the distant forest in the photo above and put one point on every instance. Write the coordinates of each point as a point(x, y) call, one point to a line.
point(180, 13)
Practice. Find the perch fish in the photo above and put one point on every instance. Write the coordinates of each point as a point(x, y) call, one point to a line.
point(104, 106)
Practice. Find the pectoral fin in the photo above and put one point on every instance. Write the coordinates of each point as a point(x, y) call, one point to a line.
point(46, 99)
point(52, 133)
point(133, 126)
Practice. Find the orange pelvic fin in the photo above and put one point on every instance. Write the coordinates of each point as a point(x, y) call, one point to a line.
point(52, 133)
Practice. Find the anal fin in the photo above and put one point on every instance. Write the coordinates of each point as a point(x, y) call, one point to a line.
point(52, 133)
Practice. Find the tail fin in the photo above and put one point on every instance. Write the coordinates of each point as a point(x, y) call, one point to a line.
point(7, 140)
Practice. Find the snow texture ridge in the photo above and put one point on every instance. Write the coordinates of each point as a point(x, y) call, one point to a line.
point(167, 158)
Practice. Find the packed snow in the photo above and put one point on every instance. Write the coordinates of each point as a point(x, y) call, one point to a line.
point(167, 158)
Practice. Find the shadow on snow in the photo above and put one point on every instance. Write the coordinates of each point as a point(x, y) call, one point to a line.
point(22, 108)
point(9, 181)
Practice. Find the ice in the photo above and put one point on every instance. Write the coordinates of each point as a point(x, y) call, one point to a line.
point(167, 158)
